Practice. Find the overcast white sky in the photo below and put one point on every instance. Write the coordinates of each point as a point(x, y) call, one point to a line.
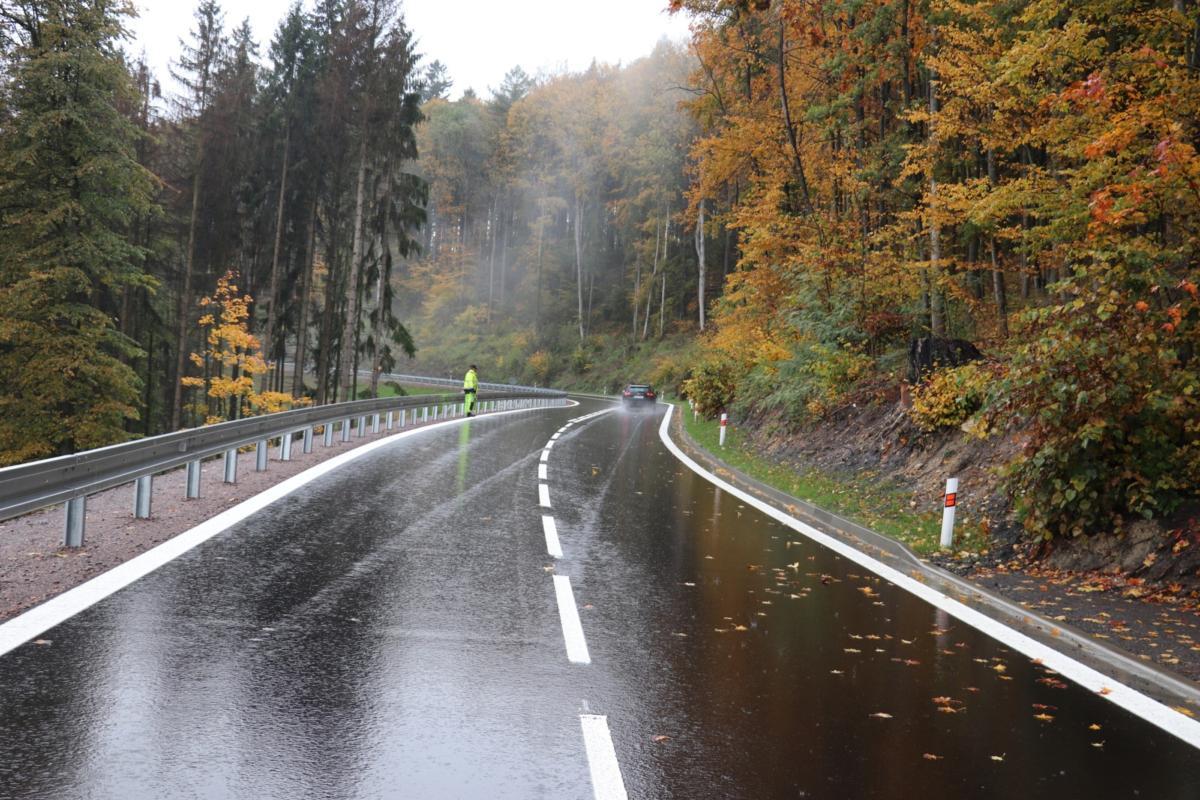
point(479, 40)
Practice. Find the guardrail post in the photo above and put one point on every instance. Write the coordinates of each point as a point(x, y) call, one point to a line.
point(328, 433)
point(308, 434)
point(260, 456)
point(375, 423)
point(346, 429)
point(285, 447)
point(362, 426)
point(231, 458)
point(193, 480)
point(403, 417)
point(143, 488)
point(76, 508)
point(390, 420)
point(425, 414)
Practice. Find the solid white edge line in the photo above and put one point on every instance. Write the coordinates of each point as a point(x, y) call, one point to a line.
point(542, 472)
point(41, 618)
point(1131, 700)
point(602, 758)
point(543, 495)
point(553, 547)
point(572, 628)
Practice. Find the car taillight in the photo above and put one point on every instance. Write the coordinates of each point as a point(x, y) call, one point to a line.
point(649, 394)
point(628, 394)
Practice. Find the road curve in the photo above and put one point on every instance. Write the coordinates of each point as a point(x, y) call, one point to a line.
point(546, 604)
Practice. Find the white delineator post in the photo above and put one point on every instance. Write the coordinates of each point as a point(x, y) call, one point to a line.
point(724, 421)
point(948, 512)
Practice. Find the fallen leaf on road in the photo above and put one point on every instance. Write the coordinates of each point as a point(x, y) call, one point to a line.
point(998, 758)
point(1104, 690)
point(931, 757)
point(850, 650)
point(1044, 717)
point(1093, 727)
point(42, 642)
point(1187, 712)
point(661, 738)
point(836, 672)
point(1097, 744)
point(882, 715)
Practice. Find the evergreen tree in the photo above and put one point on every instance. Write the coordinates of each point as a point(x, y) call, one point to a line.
point(70, 190)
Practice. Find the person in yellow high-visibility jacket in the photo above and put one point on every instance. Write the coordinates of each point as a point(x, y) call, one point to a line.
point(470, 390)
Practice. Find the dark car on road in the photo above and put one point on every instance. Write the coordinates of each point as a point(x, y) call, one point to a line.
point(638, 394)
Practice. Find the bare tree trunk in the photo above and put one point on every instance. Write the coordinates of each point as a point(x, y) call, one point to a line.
point(493, 221)
point(937, 310)
point(350, 330)
point(654, 274)
point(325, 340)
point(273, 297)
point(998, 288)
point(637, 285)
point(185, 295)
point(505, 228)
point(305, 289)
point(579, 262)
point(662, 306)
point(376, 366)
point(537, 303)
point(701, 265)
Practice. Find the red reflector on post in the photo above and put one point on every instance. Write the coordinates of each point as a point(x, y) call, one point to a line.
point(951, 499)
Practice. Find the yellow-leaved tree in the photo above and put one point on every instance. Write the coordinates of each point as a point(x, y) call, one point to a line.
point(231, 360)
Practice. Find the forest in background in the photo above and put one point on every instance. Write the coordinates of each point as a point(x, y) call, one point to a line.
point(988, 206)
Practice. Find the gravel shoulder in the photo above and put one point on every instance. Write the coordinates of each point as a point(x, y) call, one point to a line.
point(34, 566)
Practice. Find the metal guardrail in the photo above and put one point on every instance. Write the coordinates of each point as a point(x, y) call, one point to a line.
point(70, 479)
point(425, 380)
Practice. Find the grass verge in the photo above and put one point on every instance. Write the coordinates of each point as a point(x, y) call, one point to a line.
point(870, 499)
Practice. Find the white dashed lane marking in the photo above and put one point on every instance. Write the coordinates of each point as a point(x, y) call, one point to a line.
point(568, 615)
point(552, 544)
point(602, 758)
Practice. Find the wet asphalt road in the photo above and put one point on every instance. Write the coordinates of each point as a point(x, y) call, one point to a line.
point(392, 631)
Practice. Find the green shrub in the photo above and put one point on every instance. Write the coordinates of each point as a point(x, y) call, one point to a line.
point(1107, 402)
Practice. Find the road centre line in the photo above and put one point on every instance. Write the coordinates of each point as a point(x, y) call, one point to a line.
point(568, 615)
point(542, 472)
point(545, 455)
point(555, 436)
point(1112, 690)
point(553, 547)
point(543, 495)
point(602, 758)
point(57, 610)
